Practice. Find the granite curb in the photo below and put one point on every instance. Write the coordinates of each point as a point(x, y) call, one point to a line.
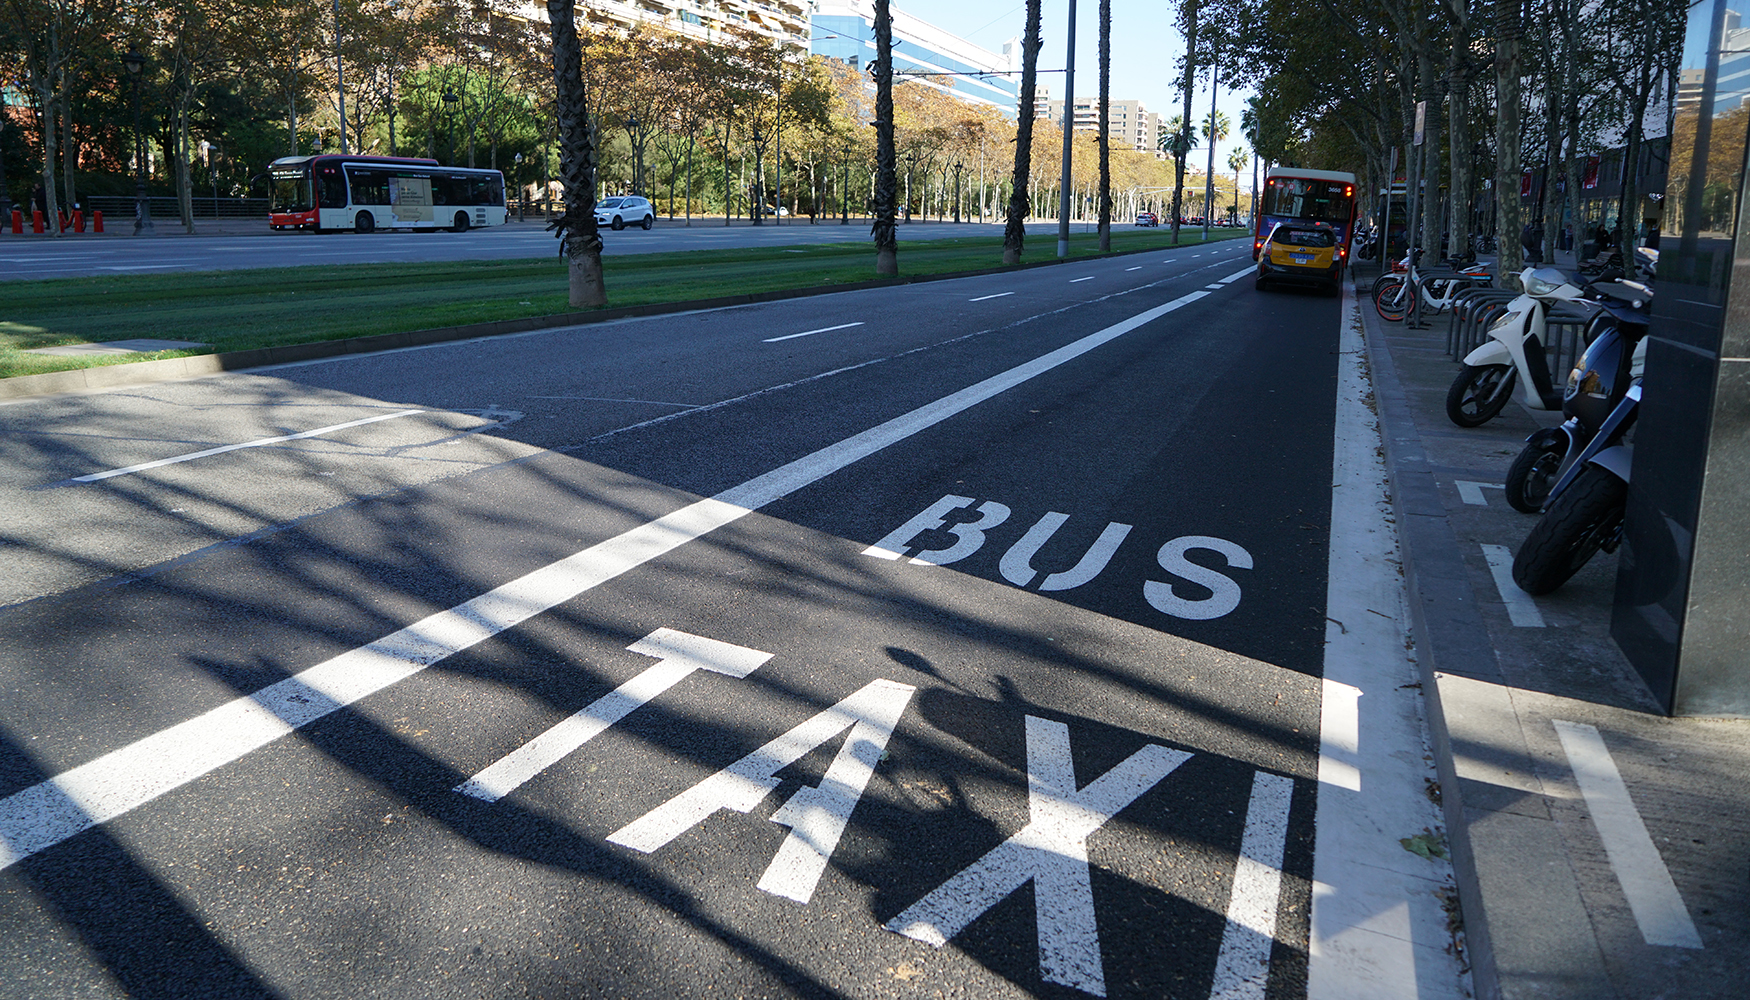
point(198, 366)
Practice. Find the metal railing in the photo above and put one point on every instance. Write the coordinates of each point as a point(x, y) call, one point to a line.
point(117, 207)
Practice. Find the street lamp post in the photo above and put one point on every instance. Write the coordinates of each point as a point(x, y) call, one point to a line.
point(521, 197)
point(135, 63)
point(450, 100)
point(911, 160)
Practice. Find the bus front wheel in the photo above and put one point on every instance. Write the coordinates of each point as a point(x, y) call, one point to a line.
point(461, 223)
point(364, 223)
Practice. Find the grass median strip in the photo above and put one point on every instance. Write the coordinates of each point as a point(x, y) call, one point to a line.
point(246, 309)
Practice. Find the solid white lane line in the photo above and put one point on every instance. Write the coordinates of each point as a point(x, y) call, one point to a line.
point(1646, 882)
point(998, 295)
point(191, 456)
point(49, 812)
point(1242, 968)
point(1371, 899)
point(1088, 278)
point(678, 655)
point(810, 333)
point(1521, 609)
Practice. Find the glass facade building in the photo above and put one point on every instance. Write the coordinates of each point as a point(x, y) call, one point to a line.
point(845, 30)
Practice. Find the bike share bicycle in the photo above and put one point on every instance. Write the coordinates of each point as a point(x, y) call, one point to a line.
point(1401, 295)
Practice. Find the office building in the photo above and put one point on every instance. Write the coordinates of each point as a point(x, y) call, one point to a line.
point(1128, 123)
point(845, 30)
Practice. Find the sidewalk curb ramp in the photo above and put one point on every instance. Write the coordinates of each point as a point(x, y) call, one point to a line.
point(80, 380)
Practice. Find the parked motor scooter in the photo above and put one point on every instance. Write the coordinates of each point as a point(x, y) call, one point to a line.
point(1587, 504)
point(1513, 354)
point(1615, 354)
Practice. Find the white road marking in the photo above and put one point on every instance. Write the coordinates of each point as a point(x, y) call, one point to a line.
point(1472, 493)
point(1017, 563)
point(1217, 286)
point(810, 333)
point(1136, 268)
point(1375, 906)
point(1242, 968)
point(49, 812)
point(1237, 275)
point(1646, 882)
point(816, 815)
point(191, 456)
point(1051, 851)
point(1224, 594)
point(998, 295)
point(678, 655)
point(1521, 609)
point(1088, 278)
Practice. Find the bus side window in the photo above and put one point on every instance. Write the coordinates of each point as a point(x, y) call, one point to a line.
point(333, 189)
point(443, 191)
point(369, 187)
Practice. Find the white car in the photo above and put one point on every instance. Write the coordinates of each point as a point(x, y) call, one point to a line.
point(618, 213)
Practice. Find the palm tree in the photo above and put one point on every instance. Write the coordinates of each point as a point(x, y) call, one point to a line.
point(1215, 127)
point(886, 179)
point(1015, 231)
point(583, 244)
point(1217, 130)
point(1105, 138)
point(1182, 135)
point(1236, 161)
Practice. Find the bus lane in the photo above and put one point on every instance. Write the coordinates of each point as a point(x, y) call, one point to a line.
point(1018, 698)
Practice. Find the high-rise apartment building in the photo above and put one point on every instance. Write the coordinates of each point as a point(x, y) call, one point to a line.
point(1128, 122)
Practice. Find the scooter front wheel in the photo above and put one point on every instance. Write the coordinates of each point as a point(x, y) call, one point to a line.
point(1531, 475)
point(1578, 523)
point(1479, 393)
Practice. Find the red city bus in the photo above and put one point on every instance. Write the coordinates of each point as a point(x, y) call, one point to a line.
point(335, 192)
point(1292, 194)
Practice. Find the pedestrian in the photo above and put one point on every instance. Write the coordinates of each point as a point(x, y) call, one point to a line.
point(40, 199)
point(1532, 239)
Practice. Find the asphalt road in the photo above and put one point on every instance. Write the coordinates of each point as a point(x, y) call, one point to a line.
point(956, 639)
point(237, 244)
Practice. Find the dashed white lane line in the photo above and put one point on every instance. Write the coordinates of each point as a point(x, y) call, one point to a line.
point(1215, 287)
point(1136, 268)
point(1237, 275)
point(1521, 609)
point(998, 295)
point(810, 333)
point(114, 784)
point(1646, 882)
point(1088, 278)
point(191, 456)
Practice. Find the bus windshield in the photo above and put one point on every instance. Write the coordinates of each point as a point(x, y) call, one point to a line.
point(292, 193)
point(1313, 200)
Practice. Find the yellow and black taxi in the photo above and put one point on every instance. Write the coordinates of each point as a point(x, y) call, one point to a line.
point(1301, 253)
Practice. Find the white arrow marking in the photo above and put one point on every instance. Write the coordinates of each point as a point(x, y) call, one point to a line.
point(1052, 852)
point(816, 816)
point(678, 654)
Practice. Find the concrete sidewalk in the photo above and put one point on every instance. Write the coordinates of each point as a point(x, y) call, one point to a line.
point(1600, 847)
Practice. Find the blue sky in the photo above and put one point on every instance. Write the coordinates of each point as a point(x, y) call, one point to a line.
point(1145, 47)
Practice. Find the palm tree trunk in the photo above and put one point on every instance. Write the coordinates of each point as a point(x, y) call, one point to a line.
point(886, 181)
point(1015, 229)
point(1105, 139)
point(583, 244)
point(1183, 146)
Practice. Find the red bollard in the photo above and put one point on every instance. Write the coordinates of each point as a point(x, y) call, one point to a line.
point(17, 222)
point(79, 220)
point(36, 221)
point(97, 221)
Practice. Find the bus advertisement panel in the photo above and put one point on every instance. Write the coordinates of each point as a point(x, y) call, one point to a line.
point(1308, 197)
point(336, 193)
